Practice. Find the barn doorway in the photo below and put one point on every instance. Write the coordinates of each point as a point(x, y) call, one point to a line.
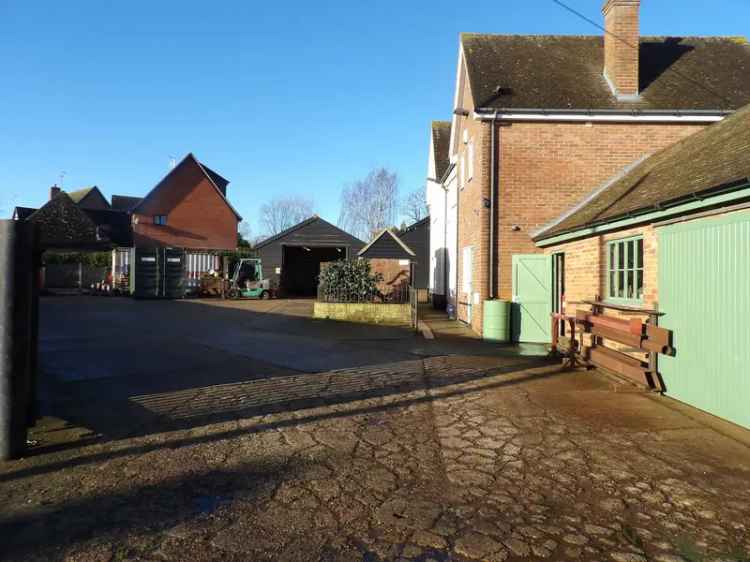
point(300, 267)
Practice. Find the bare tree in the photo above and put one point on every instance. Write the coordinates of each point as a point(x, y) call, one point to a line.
point(369, 205)
point(414, 205)
point(282, 212)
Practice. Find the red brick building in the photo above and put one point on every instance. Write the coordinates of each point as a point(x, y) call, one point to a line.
point(188, 208)
point(540, 121)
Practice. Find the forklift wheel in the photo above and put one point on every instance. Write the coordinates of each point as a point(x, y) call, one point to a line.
point(233, 294)
point(265, 295)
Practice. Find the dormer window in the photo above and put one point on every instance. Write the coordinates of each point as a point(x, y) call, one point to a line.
point(160, 219)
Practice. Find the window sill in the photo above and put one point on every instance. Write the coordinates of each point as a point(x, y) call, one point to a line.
point(623, 302)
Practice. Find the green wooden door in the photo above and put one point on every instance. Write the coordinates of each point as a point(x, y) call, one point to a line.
point(704, 271)
point(532, 298)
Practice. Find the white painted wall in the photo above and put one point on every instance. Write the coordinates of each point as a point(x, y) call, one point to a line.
point(451, 241)
point(442, 201)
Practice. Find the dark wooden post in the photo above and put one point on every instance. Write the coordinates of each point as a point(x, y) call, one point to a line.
point(17, 329)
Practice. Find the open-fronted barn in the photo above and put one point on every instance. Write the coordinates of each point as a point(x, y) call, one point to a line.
point(292, 258)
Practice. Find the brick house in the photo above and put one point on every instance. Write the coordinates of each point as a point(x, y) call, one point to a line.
point(539, 120)
point(672, 233)
point(188, 208)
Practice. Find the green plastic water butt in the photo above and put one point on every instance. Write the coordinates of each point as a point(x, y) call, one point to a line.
point(496, 321)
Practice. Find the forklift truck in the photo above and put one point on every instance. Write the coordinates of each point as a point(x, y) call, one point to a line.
point(247, 281)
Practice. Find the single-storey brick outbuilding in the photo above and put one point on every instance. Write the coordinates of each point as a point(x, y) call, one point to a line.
point(671, 233)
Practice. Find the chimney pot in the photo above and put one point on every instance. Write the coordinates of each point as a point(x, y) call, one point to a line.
point(621, 46)
point(54, 191)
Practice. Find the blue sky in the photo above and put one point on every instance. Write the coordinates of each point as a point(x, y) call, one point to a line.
point(279, 97)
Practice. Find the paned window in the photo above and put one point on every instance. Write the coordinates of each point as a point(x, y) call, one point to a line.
point(625, 270)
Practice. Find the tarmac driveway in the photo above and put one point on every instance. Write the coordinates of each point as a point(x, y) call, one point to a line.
point(200, 444)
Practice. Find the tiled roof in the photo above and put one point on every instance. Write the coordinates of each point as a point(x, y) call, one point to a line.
point(125, 202)
point(441, 136)
point(566, 72)
point(713, 158)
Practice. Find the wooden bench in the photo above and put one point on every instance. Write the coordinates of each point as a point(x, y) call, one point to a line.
point(633, 335)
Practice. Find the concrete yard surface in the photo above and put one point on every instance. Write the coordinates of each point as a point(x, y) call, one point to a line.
point(248, 431)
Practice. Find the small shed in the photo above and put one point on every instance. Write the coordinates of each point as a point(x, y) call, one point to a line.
point(291, 259)
point(392, 258)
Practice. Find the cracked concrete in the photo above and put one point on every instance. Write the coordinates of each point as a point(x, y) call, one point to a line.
point(437, 455)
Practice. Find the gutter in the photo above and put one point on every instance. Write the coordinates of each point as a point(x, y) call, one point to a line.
point(699, 200)
point(601, 115)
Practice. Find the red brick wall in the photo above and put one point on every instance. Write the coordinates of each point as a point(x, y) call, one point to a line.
point(473, 222)
point(394, 274)
point(586, 266)
point(197, 217)
point(545, 168)
point(586, 272)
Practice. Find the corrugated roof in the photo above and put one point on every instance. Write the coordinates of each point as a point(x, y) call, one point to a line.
point(441, 136)
point(715, 157)
point(566, 72)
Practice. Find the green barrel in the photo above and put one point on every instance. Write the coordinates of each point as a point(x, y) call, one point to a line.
point(496, 321)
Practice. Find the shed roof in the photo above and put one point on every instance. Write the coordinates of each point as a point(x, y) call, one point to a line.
point(386, 232)
point(307, 222)
point(714, 158)
point(566, 72)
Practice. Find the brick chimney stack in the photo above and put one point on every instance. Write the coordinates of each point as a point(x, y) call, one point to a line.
point(621, 46)
point(54, 191)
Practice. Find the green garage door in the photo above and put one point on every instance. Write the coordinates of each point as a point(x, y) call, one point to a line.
point(704, 293)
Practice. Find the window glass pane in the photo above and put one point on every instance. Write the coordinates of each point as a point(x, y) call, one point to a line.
point(640, 253)
point(621, 255)
point(612, 283)
point(631, 254)
point(612, 256)
point(621, 284)
point(631, 285)
point(639, 284)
